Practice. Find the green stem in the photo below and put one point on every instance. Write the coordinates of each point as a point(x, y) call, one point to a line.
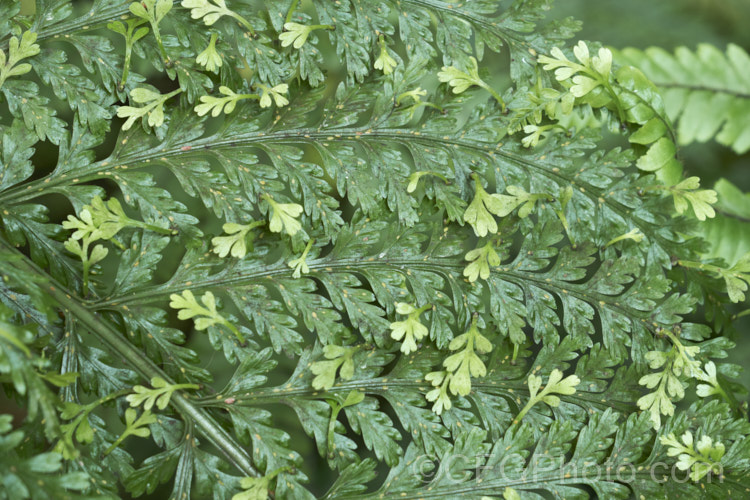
point(335, 409)
point(235, 331)
point(156, 229)
point(162, 51)
point(699, 265)
point(321, 27)
point(289, 14)
point(244, 22)
point(204, 422)
point(126, 66)
point(86, 267)
point(495, 95)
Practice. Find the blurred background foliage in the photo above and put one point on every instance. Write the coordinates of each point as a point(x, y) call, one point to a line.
point(614, 23)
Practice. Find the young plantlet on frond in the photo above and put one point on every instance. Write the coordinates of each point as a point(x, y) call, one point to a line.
point(211, 13)
point(414, 179)
point(699, 458)
point(276, 93)
point(417, 102)
point(210, 58)
point(296, 34)
point(481, 259)
point(676, 364)
point(410, 329)
point(556, 384)
point(634, 234)
point(154, 11)
point(687, 192)
point(384, 62)
point(300, 264)
point(257, 488)
point(128, 29)
point(517, 196)
point(100, 221)
point(78, 428)
point(236, 241)
point(461, 80)
point(460, 367)
point(160, 394)
point(591, 73)
point(353, 398)
point(218, 105)
point(531, 107)
point(535, 133)
point(711, 387)
point(736, 277)
point(205, 315)
point(80, 248)
point(283, 216)
point(103, 220)
point(338, 358)
point(17, 51)
point(153, 110)
point(479, 212)
point(134, 427)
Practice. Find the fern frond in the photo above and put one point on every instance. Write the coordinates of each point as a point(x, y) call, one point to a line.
point(706, 91)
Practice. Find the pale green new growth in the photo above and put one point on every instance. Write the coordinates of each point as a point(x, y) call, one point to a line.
point(481, 259)
point(586, 76)
point(100, 221)
point(226, 104)
point(634, 235)
point(416, 97)
point(276, 93)
point(256, 488)
point(296, 34)
point(134, 426)
point(103, 220)
point(736, 277)
point(384, 62)
point(460, 367)
point(479, 212)
point(212, 12)
point(154, 12)
point(517, 196)
point(236, 241)
point(410, 329)
point(687, 192)
point(300, 264)
point(128, 29)
point(210, 58)
point(461, 80)
point(678, 363)
point(339, 358)
point(283, 216)
point(712, 385)
point(159, 395)
point(17, 51)
point(699, 458)
point(153, 110)
point(337, 404)
point(205, 315)
point(218, 105)
point(556, 384)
